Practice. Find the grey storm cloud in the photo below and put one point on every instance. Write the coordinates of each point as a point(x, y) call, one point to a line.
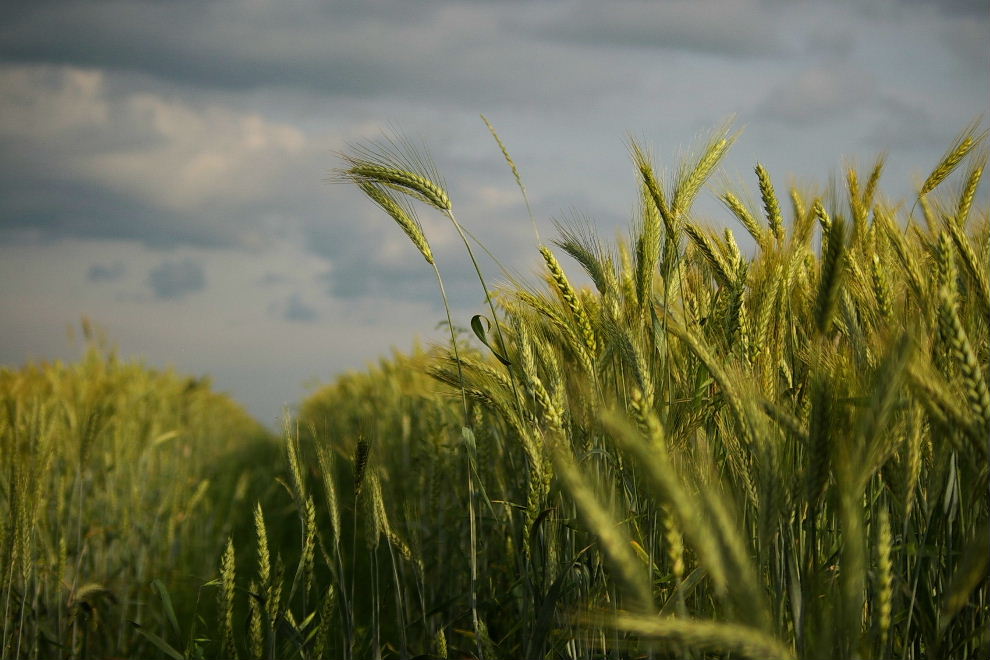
point(88, 150)
point(977, 8)
point(187, 41)
point(374, 259)
point(299, 311)
point(734, 28)
point(465, 51)
point(56, 207)
point(176, 279)
point(350, 281)
point(106, 272)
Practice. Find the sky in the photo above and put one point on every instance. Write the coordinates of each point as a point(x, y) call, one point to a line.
point(166, 167)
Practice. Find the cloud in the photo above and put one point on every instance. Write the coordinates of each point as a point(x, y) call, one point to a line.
point(735, 28)
point(905, 125)
point(89, 157)
point(106, 272)
point(271, 279)
point(297, 310)
point(83, 158)
point(967, 39)
point(969, 8)
point(176, 279)
point(819, 94)
point(464, 51)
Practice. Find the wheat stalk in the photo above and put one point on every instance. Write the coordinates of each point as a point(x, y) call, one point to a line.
point(615, 543)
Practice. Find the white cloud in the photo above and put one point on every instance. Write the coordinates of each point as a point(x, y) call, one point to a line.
point(145, 164)
point(166, 152)
point(48, 103)
point(199, 156)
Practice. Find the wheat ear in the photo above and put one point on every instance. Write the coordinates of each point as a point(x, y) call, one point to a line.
point(402, 214)
point(405, 181)
point(977, 395)
point(653, 188)
point(770, 203)
point(227, 563)
point(706, 636)
point(690, 181)
point(739, 210)
point(885, 576)
point(570, 297)
point(962, 146)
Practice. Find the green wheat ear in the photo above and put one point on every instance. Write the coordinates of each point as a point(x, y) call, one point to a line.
point(227, 576)
point(403, 180)
point(692, 177)
point(653, 186)
point(745, 641)
point(395, 163)
point(963, 144)
point(770, 204)
point(401, 213)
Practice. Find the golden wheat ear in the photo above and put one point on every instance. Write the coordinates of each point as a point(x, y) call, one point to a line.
point(692, 176)
point(964, 143)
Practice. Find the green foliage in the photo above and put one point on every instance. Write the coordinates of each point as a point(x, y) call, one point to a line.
point(113, 476)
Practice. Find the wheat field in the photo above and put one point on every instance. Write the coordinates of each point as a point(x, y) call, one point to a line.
point(774, 446)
